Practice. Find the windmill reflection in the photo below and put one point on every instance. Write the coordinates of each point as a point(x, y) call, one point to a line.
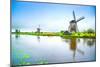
point(90, 42)
point(73, 47)
point(17, 36)
point(38, 38)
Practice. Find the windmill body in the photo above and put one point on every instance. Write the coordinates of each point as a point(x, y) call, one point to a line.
point(72, 27)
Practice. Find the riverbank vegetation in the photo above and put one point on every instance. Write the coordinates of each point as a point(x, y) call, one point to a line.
point(85, 34)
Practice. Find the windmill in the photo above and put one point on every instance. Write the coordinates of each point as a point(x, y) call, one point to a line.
point(73, 23)
point(38, 29)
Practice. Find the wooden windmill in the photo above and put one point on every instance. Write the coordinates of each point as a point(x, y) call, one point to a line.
point(73, 23)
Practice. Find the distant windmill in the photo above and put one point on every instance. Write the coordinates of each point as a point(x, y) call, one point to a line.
point(38, 29)
point(73, 23)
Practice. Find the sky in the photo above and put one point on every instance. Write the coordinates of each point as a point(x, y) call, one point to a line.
point(27, 16)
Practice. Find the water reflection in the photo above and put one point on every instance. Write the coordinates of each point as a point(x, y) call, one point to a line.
point(73, 47)
point(17, 36)
point(43, 49)
point(90, 41)
point(38, 38)
point(78, 40)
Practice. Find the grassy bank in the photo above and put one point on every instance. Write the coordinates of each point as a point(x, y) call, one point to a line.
point(38, 34)
point(76, 35)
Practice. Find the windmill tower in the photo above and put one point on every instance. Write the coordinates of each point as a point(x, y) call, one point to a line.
point(73, 23)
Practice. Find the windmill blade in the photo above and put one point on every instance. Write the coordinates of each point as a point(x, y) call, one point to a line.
point(74, 15)
point(81, 18)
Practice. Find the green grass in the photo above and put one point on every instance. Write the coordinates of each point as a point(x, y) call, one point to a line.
point(76, 35)
point(38, 34)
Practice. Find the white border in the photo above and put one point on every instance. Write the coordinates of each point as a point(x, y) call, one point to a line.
point(5, 36)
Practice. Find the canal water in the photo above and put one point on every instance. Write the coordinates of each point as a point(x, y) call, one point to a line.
point(27, 49)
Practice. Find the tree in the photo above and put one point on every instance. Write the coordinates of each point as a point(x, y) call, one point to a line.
point(90, 30)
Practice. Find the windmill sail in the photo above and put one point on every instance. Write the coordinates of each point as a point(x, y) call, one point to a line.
point(81, 18)
point(74, 16)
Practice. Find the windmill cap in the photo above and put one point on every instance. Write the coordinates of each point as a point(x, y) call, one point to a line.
point(72, 21)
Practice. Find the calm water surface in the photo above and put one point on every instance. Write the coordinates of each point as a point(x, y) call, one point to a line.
point(27, 49)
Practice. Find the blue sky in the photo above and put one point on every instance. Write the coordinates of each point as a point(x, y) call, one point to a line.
point(27, 16)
